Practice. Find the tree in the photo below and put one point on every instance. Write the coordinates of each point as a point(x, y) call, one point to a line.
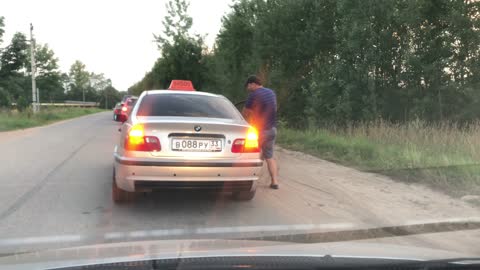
point(2, 25)
point(181, 53)
point(14, 57)
point(13, 82)
point(234, 57)
point(336, 61)
point(104, 90)
point(79, 81)
point(176, 24)
point(5, 100)
point(99, 82)
point(48, 75)
point(109, 96)
point(342, 61)
point(279, 41)
point(15, 75)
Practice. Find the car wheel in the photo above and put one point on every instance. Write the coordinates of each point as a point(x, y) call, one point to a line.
point(244, 195)
point(119, 195)
point(115, 117)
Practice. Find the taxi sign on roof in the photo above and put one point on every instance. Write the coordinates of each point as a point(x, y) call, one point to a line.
point(181, 85)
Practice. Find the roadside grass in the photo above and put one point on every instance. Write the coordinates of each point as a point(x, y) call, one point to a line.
point(444, 156)
point(11, 120)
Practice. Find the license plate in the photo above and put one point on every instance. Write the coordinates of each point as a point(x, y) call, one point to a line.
point(197, 145)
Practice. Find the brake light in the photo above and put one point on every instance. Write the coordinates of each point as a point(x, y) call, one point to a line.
point(137, 141)
point(124, 109)
point(252, 139)
point(247, 145)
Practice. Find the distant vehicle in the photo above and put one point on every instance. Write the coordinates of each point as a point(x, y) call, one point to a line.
point(116, 111)
point(123, 109)
point(126, 97)
point(183, 139)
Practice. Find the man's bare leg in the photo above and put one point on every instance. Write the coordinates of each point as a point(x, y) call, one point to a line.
point(273, 169)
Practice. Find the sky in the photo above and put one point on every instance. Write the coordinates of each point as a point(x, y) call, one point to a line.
point(110, 37)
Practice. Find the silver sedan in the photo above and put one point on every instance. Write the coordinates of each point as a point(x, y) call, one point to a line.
point(186, 140)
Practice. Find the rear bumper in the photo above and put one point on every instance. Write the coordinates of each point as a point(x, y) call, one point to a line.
point(224, 186)
point(146, 175)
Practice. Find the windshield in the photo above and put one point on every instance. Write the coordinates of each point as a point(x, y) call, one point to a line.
point(333, 122)
point(187, 105)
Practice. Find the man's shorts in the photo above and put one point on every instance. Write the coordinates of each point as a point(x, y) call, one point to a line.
point(267, 142)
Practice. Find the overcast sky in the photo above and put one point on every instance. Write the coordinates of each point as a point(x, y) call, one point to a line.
point(110, 37)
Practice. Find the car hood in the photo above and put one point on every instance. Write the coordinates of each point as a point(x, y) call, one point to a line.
point(168, 249)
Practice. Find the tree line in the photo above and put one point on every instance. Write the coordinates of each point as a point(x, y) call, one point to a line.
point(335, 61)
point(78, 84)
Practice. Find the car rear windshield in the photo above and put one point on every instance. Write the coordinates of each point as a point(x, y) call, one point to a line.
point(187, 105)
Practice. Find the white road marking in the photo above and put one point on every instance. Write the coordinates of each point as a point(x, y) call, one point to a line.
point(40, 240)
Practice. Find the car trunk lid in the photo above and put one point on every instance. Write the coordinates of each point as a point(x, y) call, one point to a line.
point(194, 137)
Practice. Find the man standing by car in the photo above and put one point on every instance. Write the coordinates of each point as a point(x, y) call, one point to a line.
point(261, 112)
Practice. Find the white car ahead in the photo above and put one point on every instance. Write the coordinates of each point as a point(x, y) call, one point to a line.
point(186, 140)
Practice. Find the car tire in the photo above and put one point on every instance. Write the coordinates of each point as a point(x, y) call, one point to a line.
point(115, 117)
point(119, 195)
point(244, 195)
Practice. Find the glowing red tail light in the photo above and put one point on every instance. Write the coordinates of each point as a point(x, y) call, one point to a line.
point(124, 109)
point(247, 145)
point(137, 141)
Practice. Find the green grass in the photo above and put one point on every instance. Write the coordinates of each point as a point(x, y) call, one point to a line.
point(11, 120)
point(444, 156)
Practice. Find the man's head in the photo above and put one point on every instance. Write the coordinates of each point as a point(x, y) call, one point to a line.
point(253, 83)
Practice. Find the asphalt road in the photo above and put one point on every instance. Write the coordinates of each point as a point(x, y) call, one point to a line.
point(55, 184)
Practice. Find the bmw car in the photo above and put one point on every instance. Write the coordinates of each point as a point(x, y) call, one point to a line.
point(177, 139)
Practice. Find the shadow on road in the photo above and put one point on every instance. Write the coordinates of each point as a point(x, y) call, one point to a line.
point(181, 197)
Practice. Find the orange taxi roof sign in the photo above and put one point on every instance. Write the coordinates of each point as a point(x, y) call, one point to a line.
point(181, 85)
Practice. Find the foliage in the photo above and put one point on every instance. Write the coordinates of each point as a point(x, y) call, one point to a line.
point(109, 96)
point(341, 61)
point(443, 155)
point(19, 120)
point(5, 99)
point(54, 86)
point(181, 53)
point(2, 25)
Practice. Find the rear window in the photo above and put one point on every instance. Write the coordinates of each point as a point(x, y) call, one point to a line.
point(188, 106)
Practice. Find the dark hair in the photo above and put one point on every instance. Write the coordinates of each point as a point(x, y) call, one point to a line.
point(253, 79)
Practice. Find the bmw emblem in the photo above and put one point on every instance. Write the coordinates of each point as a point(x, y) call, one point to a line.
point(197, 128)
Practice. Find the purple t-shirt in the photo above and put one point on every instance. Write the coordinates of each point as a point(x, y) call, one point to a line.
point(263, 103)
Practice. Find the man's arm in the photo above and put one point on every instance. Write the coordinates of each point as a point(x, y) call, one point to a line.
point(247, 111)
point(247, 114)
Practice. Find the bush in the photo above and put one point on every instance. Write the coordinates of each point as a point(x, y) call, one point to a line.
point(5, 99)
point(443, 156)
point(22, 103)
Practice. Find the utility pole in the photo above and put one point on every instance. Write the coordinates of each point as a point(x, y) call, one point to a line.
point(34, 69)
point(38, 99)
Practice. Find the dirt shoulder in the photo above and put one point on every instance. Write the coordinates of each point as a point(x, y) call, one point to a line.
point(364, 197)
